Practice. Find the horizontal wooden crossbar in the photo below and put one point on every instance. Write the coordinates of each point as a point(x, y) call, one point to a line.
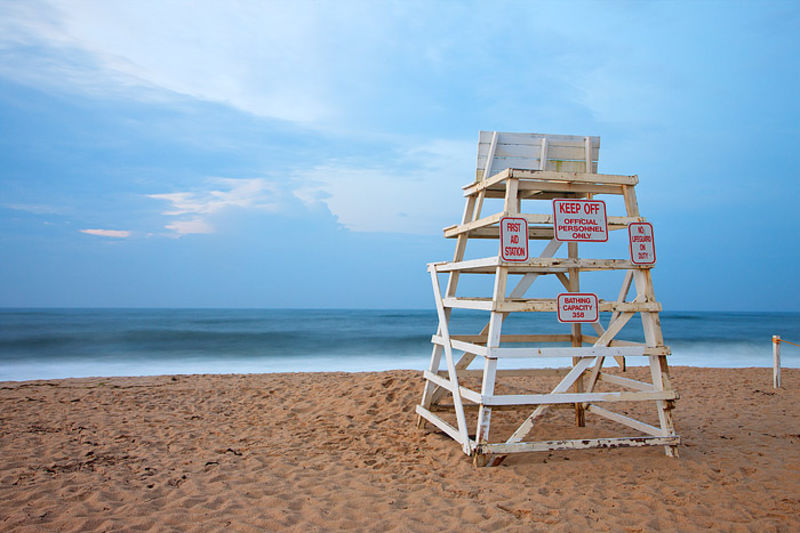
point(544, 305)
point(509, 372)
point(479, 304)
point(545, 176)
point(539, 190)
point(576, 397)
point(585, 351)
point(487, 265)
point(468, 406)
point(539, 233)
point(576, 444)
point(481, 339)
point(533, 219)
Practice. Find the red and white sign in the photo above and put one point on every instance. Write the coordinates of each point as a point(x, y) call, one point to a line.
point(513, 239)
point(643, 247)
point(580, 220)
point(577, 307)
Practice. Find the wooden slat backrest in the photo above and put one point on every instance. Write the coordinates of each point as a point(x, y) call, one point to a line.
point(564, 153)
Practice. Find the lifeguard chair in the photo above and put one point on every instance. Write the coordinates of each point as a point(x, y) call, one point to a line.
point(523, 169)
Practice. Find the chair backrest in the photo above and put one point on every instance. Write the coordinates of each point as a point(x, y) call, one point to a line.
point(536, 151)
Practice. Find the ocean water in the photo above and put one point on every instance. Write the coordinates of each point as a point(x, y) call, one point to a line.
point(59, 343)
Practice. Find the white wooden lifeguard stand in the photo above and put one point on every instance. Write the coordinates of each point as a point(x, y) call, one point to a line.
point(518, 168)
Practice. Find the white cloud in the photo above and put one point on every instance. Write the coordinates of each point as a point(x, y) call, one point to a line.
point(118, 234)
point(422, 198)
point(190, 226)
point(269, 59)
point(198, 207)
point(335, 63)
point(251, 193)
point(36, 209)
point(324, 65)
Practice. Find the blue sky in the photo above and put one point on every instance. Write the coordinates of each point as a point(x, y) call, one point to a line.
point(307, 154)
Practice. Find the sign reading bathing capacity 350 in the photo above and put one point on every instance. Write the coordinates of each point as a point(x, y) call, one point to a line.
point(514, 239)
point(580, 220)
point(577, 307)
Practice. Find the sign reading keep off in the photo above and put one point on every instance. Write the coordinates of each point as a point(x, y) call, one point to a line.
point(580, 220)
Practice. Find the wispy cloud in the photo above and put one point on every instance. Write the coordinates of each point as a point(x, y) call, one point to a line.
point(195, 225)
point(36, 209)
point(413, 195)
point(272, 64)
point(196, 208)
point(117, 234)
point(321, 65)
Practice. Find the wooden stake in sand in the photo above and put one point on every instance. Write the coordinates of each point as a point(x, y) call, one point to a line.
point(776, 361)
point(556, 178)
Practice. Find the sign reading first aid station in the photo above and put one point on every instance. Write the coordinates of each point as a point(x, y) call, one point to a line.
point(580, 220)
point(514, 239)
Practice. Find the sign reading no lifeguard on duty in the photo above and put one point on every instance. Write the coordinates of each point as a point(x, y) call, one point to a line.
point(580, 220)
point(577, 307)
point(514, 239)
point(643, 247)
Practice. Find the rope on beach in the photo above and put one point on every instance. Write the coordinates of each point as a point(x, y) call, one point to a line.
point(788, 342)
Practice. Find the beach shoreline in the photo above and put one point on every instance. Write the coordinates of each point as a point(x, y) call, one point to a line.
point(337, 450)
